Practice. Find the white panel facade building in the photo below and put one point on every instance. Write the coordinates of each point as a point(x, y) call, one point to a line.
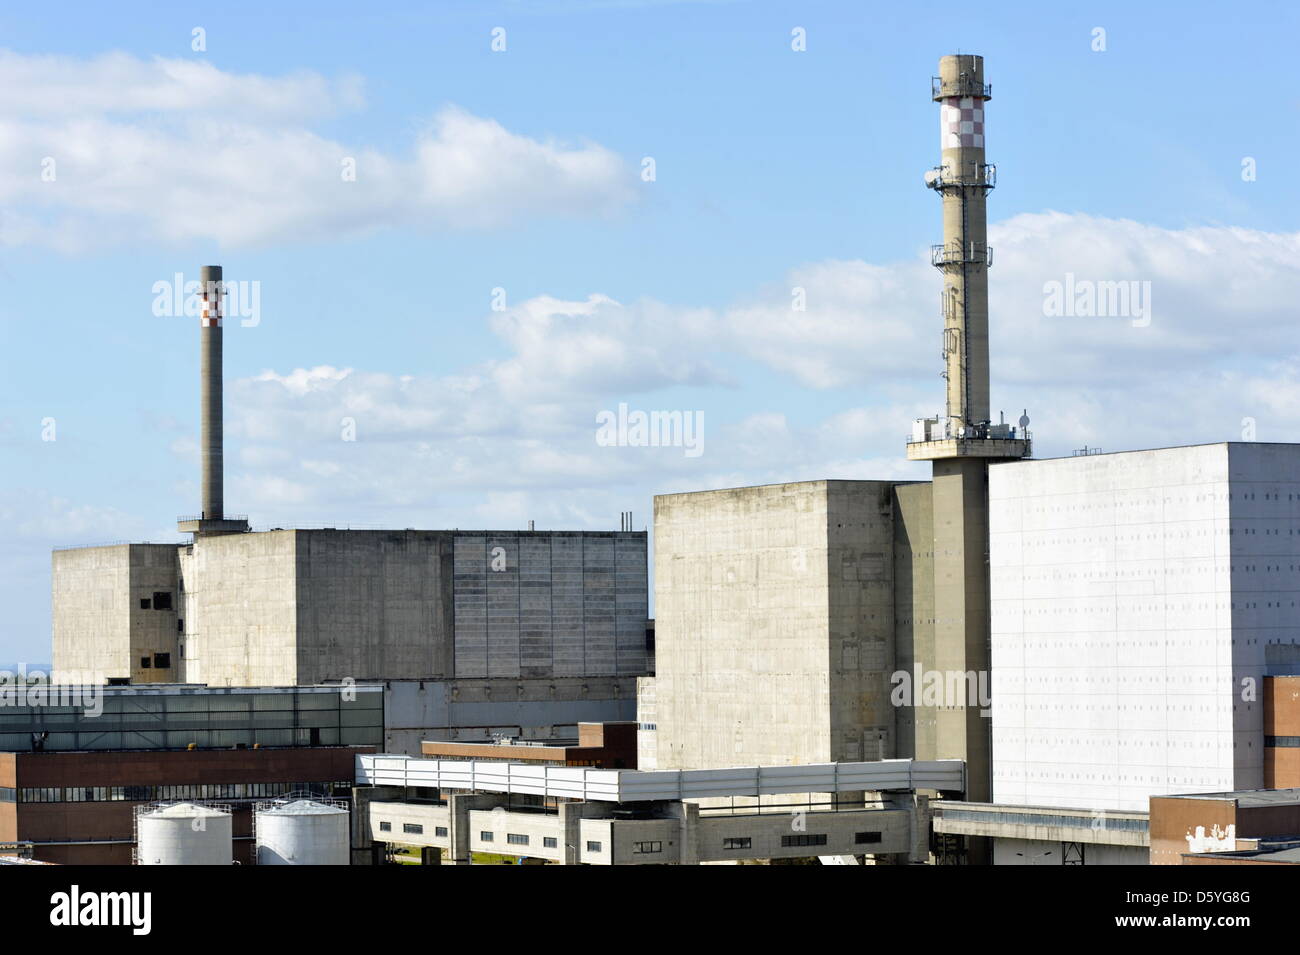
point(1137, 600)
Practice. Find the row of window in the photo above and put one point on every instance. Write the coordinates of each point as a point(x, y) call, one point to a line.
point(162, 600)
point(648, 847)
point(1290, 742)
point(513, 838)
point(159, 661)
point(519, 839)
point(43, 794)
point(801, 839)
point(413, 828)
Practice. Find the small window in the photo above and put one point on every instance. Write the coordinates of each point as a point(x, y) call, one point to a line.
point(413, 828)
point(593, 846)
point(804, 839)
point(866, 838)
point(550, 842)
point(516, 839)
point(162, 661)
point(439, 830)
point(162, 600)
point(180, 625)
point(145, 663)
point(485, 837)
point(385, 827)
point(144, 603)
point(647, 848)
point(737, 842)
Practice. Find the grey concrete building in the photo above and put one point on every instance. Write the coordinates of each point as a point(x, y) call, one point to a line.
point(775, 625)
point(115, 613)
point(290, 607)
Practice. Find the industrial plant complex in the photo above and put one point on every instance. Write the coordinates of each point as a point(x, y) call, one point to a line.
point(1087, 660)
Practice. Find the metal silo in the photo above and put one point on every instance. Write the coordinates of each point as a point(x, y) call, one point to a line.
point(183, 834)
point(302, 832)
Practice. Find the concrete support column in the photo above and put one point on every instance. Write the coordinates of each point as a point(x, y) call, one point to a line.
point(920, 817)
point(688, 815)
point(363, 849)
point(571, 827)
point(459, 826)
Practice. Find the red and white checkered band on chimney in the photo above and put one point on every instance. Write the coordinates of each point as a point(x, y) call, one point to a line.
point(961, 122)
point(210, 308)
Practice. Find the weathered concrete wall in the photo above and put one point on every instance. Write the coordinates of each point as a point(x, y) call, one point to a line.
point(774, 620)
point(101, 629)
point(90, 593)
point(313, 606)
point(742, 617)
point(154, 606)
point(961, 618)
point(860, 578)
point(916, 725)
point(373, 604)
point(543, 604)
point(242, 610)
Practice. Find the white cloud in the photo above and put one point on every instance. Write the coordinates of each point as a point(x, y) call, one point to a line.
point(178, 150)
point(519, 429)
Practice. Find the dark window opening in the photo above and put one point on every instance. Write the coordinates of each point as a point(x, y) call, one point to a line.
point(162, 661)
point(385, 827)
point(516, 839)
point(145, 663)
point(144, 603)
point(550, 842)
point(866, 838)
point(180, 625)
point(807, 839)
point(162, 600)
point(413, 827)
point(737, 842)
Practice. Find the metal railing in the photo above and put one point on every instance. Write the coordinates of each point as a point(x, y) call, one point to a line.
point(962, 87)
point(986, 177)
point(943, 255)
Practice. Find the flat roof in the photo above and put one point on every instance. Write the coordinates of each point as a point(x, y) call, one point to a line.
point(1291, 855)
point(634, 785)
point(1169, 447)
point(1246, 797)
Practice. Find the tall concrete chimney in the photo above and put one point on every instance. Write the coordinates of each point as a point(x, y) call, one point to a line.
point(964, 180)
point(210, 436)
point(962, 441)
point(212, 519)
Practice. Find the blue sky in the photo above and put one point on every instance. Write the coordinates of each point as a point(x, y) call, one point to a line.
point(520, 170)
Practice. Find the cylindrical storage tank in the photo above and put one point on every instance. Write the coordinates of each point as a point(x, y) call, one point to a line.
point(303, 832)
point(184, 834)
